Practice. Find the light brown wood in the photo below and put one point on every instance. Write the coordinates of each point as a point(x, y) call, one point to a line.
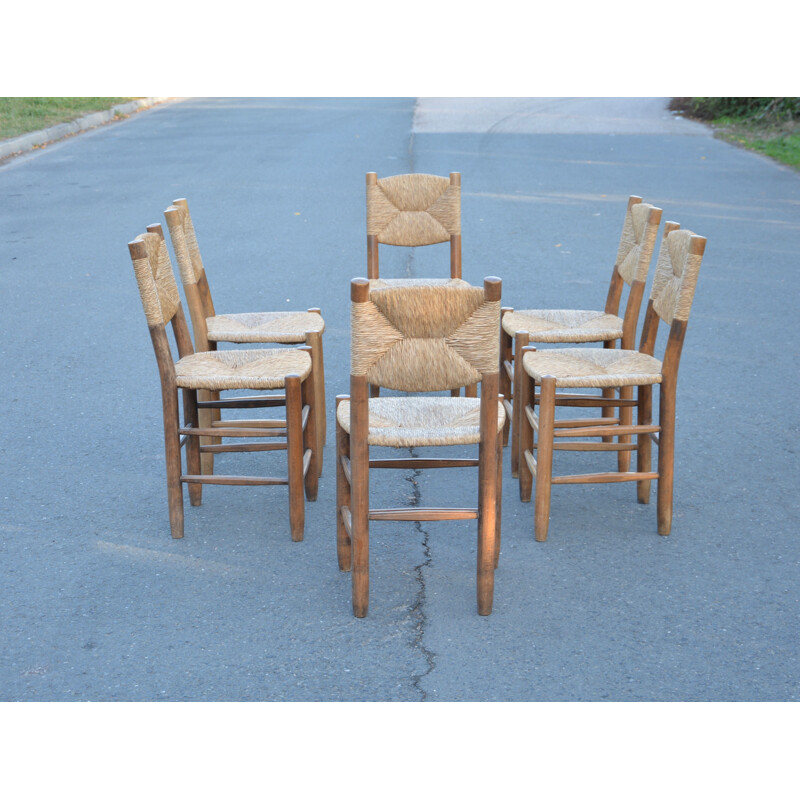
point(643, 458)
point(294, 441)
point(521, 346)
point(422, 514)
point(544, 460)
point(233, 480)
point(312, 448)
point(506, 356)
point(421, 463)
point(523, 433)
point(343, 477)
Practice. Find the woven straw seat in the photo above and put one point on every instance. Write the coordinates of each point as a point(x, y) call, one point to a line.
point(560, 326)
point(520, 328)
point(418, 338)
point(619, 374)
point(576, 367)
point(241, 369)
point(421, 421)
point(282, 327)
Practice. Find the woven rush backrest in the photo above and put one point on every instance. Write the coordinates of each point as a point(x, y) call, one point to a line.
point(637, 242)
point(675, 280)
point(156, 280)
point(184, 241)
point(425, 338)
point(413, 210)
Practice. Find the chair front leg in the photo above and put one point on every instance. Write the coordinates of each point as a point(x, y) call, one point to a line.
point(644, 416)
point(506, 355)
point(344, 550)
point(525, 391)
point(359, 492)
point(294, 455)
point(311, 441)
point(499, 505)
point(172, 450)
point(314, 340)
point(193, 457)
point(666, 456)
point(544, 457)
point(521, 339)
point(625, 418)
point(610, 394)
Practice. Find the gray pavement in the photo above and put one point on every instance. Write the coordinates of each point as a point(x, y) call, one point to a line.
point(99, 603)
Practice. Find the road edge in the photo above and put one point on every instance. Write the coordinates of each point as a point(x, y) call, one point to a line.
point(30, 141)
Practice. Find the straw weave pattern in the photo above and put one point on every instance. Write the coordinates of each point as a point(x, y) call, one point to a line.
point(425, 338)
point(676, 275)
point(285, 327)
point(636, 244)
point(191, 239)
point(563, 325)
point(241, 369)
point(388, 283)
point(157, 287)
point(177, 232)
point(413, 210)
point(421, 421)
point(579, 367)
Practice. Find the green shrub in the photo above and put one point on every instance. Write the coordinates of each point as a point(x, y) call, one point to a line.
point(766, 109)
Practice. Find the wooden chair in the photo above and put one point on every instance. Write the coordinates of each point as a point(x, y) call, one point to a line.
point(559, 326)
point(285, 368)
point(670, 301)
point(414, 210)
point(266, 327)
point(419, 339)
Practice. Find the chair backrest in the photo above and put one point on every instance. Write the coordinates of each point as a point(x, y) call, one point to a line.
point(425, 338)
point(160, 296)
point(190, 266)
point(634, 254)
point(672, 293)
point(413, 210)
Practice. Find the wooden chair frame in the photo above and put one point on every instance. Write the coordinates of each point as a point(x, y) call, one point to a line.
point(543, 433)
point(352, 480)
point(297, 429)
point(201, 307)
point(511, 367)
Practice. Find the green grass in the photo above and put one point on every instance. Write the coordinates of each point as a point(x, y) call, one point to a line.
point(768, 125)
point(19, 115)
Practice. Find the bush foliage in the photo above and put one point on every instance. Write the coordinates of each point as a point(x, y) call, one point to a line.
point(766, 109)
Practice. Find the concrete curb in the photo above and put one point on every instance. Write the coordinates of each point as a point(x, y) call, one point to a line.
point(29, 141)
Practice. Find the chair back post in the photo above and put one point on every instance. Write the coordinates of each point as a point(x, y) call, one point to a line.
point(490, 381)
point(647, 343)
point(197, 308)
point(455, 238)
point(194, 254)
point(636, 292)
point(617, 283)
point(680, 319)
point(372, 239)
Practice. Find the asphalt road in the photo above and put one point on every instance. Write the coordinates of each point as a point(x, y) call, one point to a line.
point(99, 603)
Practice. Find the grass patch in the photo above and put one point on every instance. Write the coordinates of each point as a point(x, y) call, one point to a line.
point(768, 125)
point(19, 115)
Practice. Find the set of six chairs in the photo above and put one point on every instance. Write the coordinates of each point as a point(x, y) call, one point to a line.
point(422, 339)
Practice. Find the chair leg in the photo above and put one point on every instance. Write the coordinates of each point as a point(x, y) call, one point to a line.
point(311, 441)
point(294, 452)
point(344, 550)
point(544, 458)
point(205, 417)
point(644, 416)
point(625, 418)
point(314, 339)
point(521, 340)
point(471, 390)
point(359, 506)
point(487, 500)
point(499, 503)
point(523, 433)
point(609, 394)
point(193, 455)
point(506, 354)
point(172, 448)
point(666, 456)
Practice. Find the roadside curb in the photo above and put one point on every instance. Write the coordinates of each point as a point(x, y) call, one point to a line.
point(30, 141)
